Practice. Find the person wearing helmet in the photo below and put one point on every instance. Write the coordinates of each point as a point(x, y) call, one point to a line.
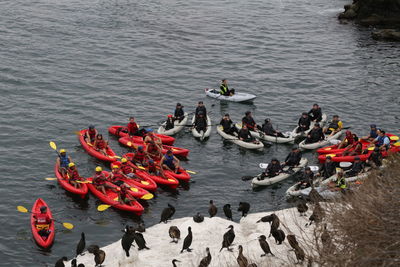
point(328, 168)
point(90, 135)
point(116, 176)
point(42, 222)
point(249, 121)
point(356, 148)
point(200, 122)
point(200, 108)
point(170, 162)
point(62, 161)
point(315, 135)
point(334, 126)
point(139, 156)
point(293, 158)
point(375, 158)
point(227, 126)
point(273, 169)
point(179, 114)
point(268, 129)
point(126, 168)
point(73, 175)
point(169, 124)
point(306, 179)
point(153, 151)
point(100, 181)
point(315, 114)
point(100, 144)
point(124, 195)
point(154, 169)
point(357, 168)
point(303, 123)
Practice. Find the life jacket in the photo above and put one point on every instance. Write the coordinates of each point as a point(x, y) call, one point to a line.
point(100, 144)
point(92, 134)
point(226, 124)
point(152, 168)
point(357, 147)
point(151, 148)
point(99, 179)
point(73, 174)
point(249, 122)
point(169, 124)
point(169, 161)
point(116, 176)
point(42, 218)
point(139, 156)
point(334, 125)
point(64, 161)
point(132, 128)
point(381, 140)
point(223, 89)
point(373, 134)
point(341, 183)
point(125, 168)
point(123, 194)
point(350, 139)
point(179, 112)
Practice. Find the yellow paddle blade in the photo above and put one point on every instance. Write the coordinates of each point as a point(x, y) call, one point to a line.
point(147, 196)
point(192, 172)
point(69, 226)
point(115, 199)
point(171, 180)
point(141, 167)
point(50, 178)
point(327, 148)
point(103, 207)
point(331, 155)
point(129, 143)
point(145, 182)
point(397, 144)
point(394, 138)
point(77, 133)
point(53, 145)
point(84, 182)
point(371, 148)
point(134, 189)
point(174, 149)
point(117, 157)
point(22, 209)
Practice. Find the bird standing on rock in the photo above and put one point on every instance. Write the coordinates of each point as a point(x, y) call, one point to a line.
point(139, 239)
point(187, 241)
point(198, 218)
point(264, 245)
point(212, 209)
point(228, 211)
point(206, 260)
point(60, 262)
point(174, 233)
point(317, 214)
point(244, 207)
point(73, 263)
point(300, 255)
point(99, 257)
point(228, 238)
point(242, 260)
point(267, 218)
point(302, 208)
point(292, 240)
point(81, 245)
point(167, 213)
point(279, 236)
point(127, 240)
point(174, 262)
point(274, 223)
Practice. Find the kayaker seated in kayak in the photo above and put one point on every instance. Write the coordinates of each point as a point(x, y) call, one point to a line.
point(73, 175)
point(268, 129)
point(375, 158)
point(153, 151)
point(124, 195)
point(334, 126)
point(100, 144)
point(200, 123)
point(42, 222)
point(315, 114)
point(273, 169)
point(116, 176)
point(382, 141)
point(245, 136)
point(90, 135)
point(328, 168)
point(347, 141)
point(304, 123)
point(356, 148)
point(200, 109)
point(100, 181)
point(293, 158)
point(150, 136)
point(339, 183)
point(357, 168)
point(133, 128)
point(373, 133)
point(249, 122)
point(169, 124)
point(62, 161)
point(227, 126)
point(126, 169)
point(139, 156)
point(315, 135)
point(154, 169)
point(224, 90)
point(179, 114)
point(170, 162)
point(306, 180)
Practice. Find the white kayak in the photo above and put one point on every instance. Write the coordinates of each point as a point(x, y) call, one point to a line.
point(234, 139)
point(321, 123)
point(202, 134)
point(325, 142)
point(237, 97)
point(257, 181)
point(178, 126)
point(269, 138)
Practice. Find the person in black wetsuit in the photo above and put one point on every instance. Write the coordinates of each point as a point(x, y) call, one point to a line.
point(200, 108)
point(375, 159)
point(315, 135)
point(227, 126)
point(315, 114)
point(293, 158)
point(307, 179)
point(273, 169)
point(249, 121)
point(328, 168)
point(169, 124)
point(268, 129)
point(179, 114)
point(304, 123)
point(358, 167)
point(200, 122)
point(244, 134)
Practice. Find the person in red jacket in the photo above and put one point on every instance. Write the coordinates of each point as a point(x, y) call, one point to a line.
point(100, 181)
point(73, 175)
point(100, 144)
point(43, 221)
point(124, 196)
point(133, 129)
point(90, 135)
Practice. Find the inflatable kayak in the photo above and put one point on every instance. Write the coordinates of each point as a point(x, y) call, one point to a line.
point(144, 181)
point(269, 138)
point(294, 134)
point(111, 198)
point(258, 181)
point(111, 156)
point(122, 131)
point(178, 126)
point(183, 152)
point(237, 97)
point(234, 139)
point(44, 242)
point(326, 141)
point(202, 135)
point(63, 181)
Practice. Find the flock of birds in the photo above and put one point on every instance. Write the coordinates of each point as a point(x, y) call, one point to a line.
point(134, 234)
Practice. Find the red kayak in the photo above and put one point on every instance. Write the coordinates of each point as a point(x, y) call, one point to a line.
point(122, 131)
point(111, 156)
point(177, 151)
point(144, 182)
point(181, 174)
point(363, 157)
point(170, 181)
point(63, 181)
point(44, 242)
point(111, 198)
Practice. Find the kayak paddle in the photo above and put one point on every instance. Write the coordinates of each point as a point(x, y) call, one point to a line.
point(69, 226)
